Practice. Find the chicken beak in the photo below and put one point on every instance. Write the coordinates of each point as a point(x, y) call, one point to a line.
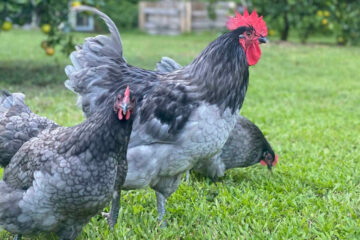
point(268, 164)
point(262, 40)
point(125, 108)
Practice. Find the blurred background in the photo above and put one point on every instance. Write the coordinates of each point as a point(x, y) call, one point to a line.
point(336, 19)
point(304, 94)
point(48, 27)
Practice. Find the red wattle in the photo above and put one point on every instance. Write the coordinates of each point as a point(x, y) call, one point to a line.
point(253, 53)
point(120, 115)
point(262, 162)
point(276, 160)
point(127, 115)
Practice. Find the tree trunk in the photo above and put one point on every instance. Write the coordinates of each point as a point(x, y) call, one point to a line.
point(285, 31)
point(34, 18)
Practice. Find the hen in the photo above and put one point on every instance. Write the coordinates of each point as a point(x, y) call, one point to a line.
point(183, 117)
point(245, 146)
point(58, 180)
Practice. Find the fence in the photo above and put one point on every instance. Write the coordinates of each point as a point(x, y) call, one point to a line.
point(175, 17)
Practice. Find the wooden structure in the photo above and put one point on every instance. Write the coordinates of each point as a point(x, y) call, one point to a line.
point(175, 17)
point(81, 22)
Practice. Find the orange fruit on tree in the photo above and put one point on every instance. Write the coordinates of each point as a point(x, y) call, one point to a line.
point(49, 51)
point(6, 26)
point(46, 28)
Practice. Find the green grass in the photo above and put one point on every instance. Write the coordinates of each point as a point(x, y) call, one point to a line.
point(306, 100)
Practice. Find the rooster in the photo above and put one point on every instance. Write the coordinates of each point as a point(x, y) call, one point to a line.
point(183, 117)
point(245, 146)
point(58, 180)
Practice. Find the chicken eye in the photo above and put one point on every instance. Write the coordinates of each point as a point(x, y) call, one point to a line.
point(248, 34)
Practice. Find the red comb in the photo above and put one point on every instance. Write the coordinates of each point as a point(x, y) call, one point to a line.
point(127, 94)
point(253, 20)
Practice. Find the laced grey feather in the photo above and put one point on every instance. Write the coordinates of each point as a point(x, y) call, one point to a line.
point(8, 100)
point(17, 125)
point(93, 61)
point(167, 65)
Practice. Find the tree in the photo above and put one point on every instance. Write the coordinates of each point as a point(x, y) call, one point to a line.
point(50, 15)
point(336, 17)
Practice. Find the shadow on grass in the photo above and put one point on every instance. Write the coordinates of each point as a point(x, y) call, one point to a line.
point(30, 73)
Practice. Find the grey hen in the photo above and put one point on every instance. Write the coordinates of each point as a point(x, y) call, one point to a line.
point(183, 117)
point(58, 180)
point(245, 146)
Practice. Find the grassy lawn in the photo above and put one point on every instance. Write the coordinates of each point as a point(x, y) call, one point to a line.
point(306, 100)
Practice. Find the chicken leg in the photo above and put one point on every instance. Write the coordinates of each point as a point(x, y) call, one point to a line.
point(18, 237)
point(161, 203)
point(187, 176)
point(114, 210)
point(164, 188)
point(112, 216)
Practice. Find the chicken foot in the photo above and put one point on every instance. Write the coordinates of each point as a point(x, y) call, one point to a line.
point(112, 216)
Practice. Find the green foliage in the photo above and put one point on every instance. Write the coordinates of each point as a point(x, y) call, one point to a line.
point(123, 13)
point(51, 13)
point(345, 15)
point(211, 9)
point(309, 17)
point(304, 98)
point(16, 11)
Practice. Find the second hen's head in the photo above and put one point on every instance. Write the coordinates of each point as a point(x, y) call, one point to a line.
point(124, 105)
point(268, 157)
point(247, 146)
point(259, 149)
